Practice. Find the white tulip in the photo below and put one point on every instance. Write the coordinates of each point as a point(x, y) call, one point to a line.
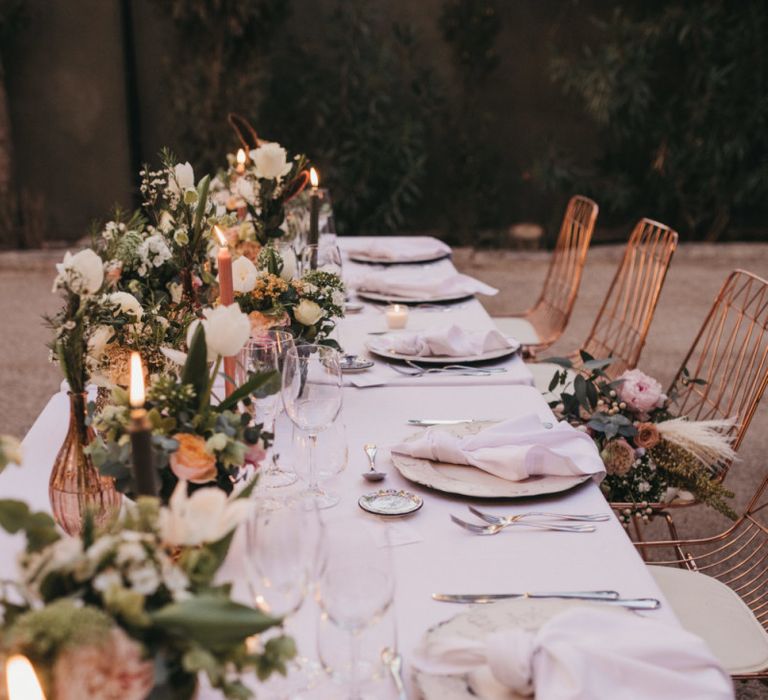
point(244, 275)
point(181, 179)
point(227, 329)
point(205, 516)
point(83, 272)
point(271, 161)
point(307, 312)
point(128, 303)
point(290, 264)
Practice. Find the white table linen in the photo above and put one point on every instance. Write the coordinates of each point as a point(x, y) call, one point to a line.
point(514, 449)
point(446, 341)
point(587, 653)
point(398, 248)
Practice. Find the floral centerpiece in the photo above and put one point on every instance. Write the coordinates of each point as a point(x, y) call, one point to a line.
point(651, 456)
point(132, 611)
point(272, 297)
point(194, 438)
point(257, 190)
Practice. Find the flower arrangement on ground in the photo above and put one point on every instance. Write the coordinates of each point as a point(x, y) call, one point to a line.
point(650, 455)
point(307, 306)
point(10, 451)
point(257, 190)
point(194, 438)
point(132, 611)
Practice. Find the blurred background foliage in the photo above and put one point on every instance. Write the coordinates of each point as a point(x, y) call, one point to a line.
point(452, 117)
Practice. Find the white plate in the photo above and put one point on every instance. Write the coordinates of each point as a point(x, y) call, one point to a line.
point(389, 298)
point(471, 481)
point(362, 258)
point(390, 502)
point(477, 623)
point(377, 348)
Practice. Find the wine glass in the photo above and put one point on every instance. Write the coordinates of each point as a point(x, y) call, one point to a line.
point(274, 476)
point(356, 586)
point(281, 566)
point(323, 256)
point(312, 393)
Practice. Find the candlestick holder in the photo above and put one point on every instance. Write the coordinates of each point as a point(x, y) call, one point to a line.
point(76, 487)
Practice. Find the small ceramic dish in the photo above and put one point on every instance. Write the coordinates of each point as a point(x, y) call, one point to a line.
point(390, 502)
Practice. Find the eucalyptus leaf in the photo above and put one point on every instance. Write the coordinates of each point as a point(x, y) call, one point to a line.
point(261, 384)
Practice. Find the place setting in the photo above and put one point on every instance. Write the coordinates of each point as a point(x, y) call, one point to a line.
point(398, 250)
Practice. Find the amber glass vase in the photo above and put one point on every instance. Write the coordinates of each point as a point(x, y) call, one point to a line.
point(76, 486)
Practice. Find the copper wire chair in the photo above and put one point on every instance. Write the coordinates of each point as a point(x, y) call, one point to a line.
point(549, 316)
point(622, 324)
point(730, 356)
point(738, 558)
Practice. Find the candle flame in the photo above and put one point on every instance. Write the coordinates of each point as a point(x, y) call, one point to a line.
point(137, 381)
point(21, 680)
point(313, 177)
point(240, 156)
point(220, 235)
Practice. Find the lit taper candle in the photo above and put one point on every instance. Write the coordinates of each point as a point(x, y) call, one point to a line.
point(226, 298)
point(144, 475)
point(241, 158)
point(21, 680)
point(314, 208)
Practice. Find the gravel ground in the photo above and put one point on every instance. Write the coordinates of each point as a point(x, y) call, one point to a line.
point(696, 273)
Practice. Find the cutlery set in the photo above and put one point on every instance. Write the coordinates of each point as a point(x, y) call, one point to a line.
point(493, 524)
point(414, 370)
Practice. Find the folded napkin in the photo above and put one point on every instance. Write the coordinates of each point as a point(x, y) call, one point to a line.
point(513, 449)
point(417, 284)
point(401, 249)
point(587, 653)
point(448, 341)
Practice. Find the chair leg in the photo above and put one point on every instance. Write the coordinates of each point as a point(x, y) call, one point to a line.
point(639, 538)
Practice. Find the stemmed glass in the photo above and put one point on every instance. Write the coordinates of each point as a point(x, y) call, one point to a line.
point(323, 256)
point(312, 392)
point(356, 585)
point(267, 351)
point(281, 565)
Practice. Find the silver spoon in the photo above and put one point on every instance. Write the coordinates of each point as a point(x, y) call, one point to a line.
point(372, 475)
point(394, 662)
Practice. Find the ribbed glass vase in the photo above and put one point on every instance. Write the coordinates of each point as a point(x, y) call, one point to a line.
point(76, 486)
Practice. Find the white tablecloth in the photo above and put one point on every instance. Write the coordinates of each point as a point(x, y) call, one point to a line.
point(446, 558)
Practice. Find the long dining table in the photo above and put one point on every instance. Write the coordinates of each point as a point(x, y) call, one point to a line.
point(429, 553)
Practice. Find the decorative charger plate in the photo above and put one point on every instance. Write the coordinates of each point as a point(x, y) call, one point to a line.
point(372, 259)
point(390, 502)
point(477, 623)
point(426, 299)
point(377, 348)
point(474, 482)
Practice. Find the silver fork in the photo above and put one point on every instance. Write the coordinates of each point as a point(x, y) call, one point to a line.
point(498, 527)
point(499, 519)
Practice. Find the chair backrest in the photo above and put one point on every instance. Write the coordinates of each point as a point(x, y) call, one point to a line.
point(622, 323)
point(730, 354)
point(553, 309)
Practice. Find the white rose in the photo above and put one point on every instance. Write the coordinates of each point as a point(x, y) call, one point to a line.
point(337, 297)
point(107, 579)
point(83, 272)
point(308, 313)
point(182, 178)
point(128, 303)
point(244, 188)
point(205, 516)
point(244, 275)
point(271, 161)
point(227, 329)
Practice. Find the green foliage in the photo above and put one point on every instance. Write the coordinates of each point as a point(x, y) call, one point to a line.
point(216, 67)
point(362, 106)
point(677, 91)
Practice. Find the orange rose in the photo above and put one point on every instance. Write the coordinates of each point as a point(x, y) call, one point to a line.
point(647, 435)
point(192, 461)
point(262, 322)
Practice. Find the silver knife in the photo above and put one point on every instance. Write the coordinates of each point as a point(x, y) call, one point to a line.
point(427, 421)
point(492, 597)
point(629, 603)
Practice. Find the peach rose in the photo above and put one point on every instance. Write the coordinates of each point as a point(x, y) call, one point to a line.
point(192, 461)
point(647, 435)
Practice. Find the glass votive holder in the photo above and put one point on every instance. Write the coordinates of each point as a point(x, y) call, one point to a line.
point(396, 316)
